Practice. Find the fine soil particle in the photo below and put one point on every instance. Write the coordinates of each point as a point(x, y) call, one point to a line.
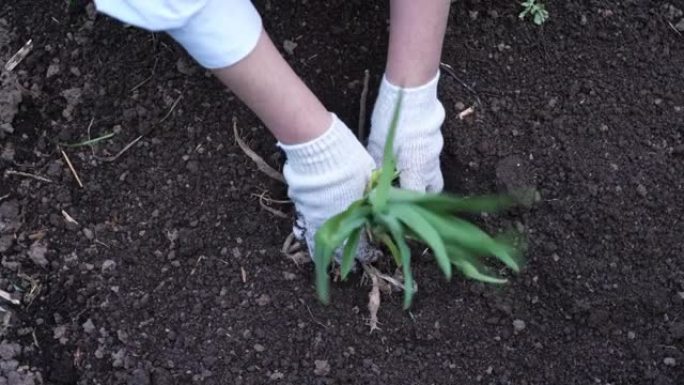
point(171, 272)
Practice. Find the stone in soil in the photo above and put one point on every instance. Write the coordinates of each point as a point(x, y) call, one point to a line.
point(9, 350)
point(10, 97)
point(37, 253)
point(321, 367)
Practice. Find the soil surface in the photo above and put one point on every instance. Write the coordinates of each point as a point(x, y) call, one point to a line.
point(164, 269)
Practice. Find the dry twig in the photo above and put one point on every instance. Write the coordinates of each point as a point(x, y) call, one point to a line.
point(173, 107)
point(7, 297)
point(311, 314)
point(71, 167)
point(34, 291)
point(19, 56)
point(126, 148)
point(450, 71)
point(271, 200)
point(260, 162)
point(362, 105)
point(69, 218)
point(293, 250)
point(277, 213)
point(27, 175)
point(136, 140)
point(393, 282)
point(466, 112)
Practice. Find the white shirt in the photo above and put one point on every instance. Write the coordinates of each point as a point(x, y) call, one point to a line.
point(217, 33)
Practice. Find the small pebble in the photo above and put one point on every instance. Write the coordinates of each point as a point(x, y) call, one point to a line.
point(263, 300)
point(641, 189)
point(88, 233)
point(289, 276)
point(88, 326)
point(289, 46)
point(108, 266)
point(519, 325)
point(259, 348)
point(669, 361)
point(321, 367)
point(631, 335)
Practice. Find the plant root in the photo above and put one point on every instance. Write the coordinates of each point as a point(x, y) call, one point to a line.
point(374, 303)
point(293, 250)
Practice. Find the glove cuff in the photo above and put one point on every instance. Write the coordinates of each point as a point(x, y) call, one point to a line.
point(326, 154)
point(416, 100)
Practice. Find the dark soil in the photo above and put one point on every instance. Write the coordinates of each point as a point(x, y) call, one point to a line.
point(148, 287)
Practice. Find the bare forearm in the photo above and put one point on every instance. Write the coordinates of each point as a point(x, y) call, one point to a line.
point(416, 36)
point(265, 82)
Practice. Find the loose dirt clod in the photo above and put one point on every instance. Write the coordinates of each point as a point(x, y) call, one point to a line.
point(37, 253)
point(519, 325)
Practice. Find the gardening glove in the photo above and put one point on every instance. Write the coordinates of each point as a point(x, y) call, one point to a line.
point(418, 141)
point(324, 176)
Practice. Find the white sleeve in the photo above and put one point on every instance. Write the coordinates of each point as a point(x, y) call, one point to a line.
point(217, 33)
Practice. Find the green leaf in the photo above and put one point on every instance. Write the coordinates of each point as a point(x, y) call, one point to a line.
point(330, 236)
point(462, 232)
point(411, 216)
point(538, 18)
point(397, 232)
point(90, 142)
point(387, 241)
point(349, 254)
point(467, 263)
point(451, 203)
point(405, 254)
point(387, 172)
point(471, 271)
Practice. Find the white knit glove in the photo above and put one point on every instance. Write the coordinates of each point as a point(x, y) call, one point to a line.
point(418, 140)
point(324, 177)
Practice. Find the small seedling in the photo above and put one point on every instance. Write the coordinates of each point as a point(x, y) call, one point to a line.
point(392, 216)
point(90, 142)
point(537, 10)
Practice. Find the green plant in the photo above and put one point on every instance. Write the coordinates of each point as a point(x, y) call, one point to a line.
point(90, 142)
point(391, 216)
point(537, 10)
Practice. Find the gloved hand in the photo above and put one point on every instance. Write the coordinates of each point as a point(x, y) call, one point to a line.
point(418, 140)
point(324, 177)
